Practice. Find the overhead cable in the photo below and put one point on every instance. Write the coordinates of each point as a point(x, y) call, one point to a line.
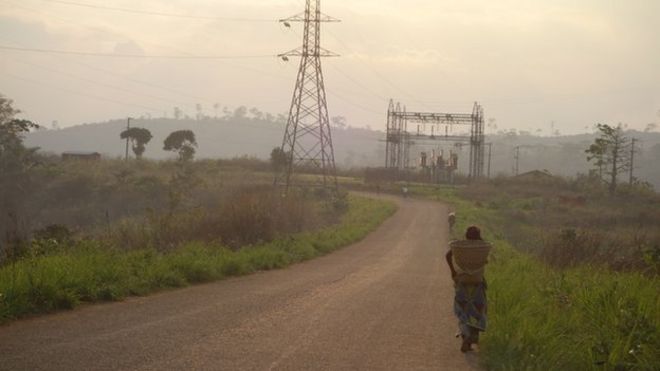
point(159, 14)
point(121, 55)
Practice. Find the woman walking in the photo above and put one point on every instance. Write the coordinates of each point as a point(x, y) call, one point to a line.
point(467, 260)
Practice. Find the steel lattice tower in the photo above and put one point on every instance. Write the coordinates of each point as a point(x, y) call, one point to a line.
point(307, 139)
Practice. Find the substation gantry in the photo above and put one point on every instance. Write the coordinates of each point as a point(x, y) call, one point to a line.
point(433, 127)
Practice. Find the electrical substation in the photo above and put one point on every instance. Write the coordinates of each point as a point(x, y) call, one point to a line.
point(429, 143)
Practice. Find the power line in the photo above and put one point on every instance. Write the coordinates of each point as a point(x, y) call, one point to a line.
point(355, 82)
point(109, 55)
point(159, 14)
point(145, 83)
point(114, 33)
point(373, 70)
point(366, 109)
point(358, 84)
point(98, 83)
point(142, 82)
point(81, 94)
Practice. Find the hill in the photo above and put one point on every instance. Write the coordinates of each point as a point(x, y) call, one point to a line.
point(217, 138)
point(233, 136)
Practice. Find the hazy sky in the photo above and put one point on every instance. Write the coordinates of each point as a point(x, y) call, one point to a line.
point(531, 63)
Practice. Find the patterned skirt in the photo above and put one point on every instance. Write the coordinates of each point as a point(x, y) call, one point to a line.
point(470, 308)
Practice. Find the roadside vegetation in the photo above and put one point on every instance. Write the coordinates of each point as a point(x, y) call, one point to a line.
point(84, 231)
point(557, 301)
point(574, 280)
point(92, 270)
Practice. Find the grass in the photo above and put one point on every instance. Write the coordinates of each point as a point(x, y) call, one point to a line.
point(585, 317)
point(580, 319)
point(89, 272)
point(567, 223)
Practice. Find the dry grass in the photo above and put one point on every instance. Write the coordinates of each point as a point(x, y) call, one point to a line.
point(140, 204)
point(567, 223)
point(67, 274)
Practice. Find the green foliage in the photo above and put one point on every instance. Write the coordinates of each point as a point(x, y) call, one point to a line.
point(16, 163)
point(50, 239)
point(339, 202)
point(610, 153)
point(7, 111)
point(140, 137)
point(278, 159)
point(581, 317)
point(183, 142)
point(578, 319)
point(90, 271)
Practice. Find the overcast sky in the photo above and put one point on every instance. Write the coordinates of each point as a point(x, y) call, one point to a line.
point(533, 64)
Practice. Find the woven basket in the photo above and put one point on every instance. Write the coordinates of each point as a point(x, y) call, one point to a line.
point(470, 257)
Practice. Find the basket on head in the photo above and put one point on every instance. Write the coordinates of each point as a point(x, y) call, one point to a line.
point(469, 258)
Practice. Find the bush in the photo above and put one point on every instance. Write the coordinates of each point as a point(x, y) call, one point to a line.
point(90, 271)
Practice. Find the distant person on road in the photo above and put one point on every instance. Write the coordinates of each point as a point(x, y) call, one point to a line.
point(404, 190)
point(451, 218)
point(467, 260)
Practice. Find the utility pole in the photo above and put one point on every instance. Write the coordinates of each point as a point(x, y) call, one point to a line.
point(307, 139)
point(632, 160)
point(490, 148)
point(516, 158)
point(128, 126)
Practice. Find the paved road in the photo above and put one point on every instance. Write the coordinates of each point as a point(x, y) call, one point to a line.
point(383, 303)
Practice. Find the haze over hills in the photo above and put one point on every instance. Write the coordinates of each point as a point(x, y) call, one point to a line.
point(225, 137)
point(234, 136)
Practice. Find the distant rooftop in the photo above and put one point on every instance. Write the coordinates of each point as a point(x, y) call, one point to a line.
point(536, 174)
point(80, 153)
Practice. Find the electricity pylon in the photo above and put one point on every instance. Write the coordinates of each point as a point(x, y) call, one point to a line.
point(307, 140)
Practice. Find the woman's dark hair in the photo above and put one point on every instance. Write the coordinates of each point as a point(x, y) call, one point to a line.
point(473, 233)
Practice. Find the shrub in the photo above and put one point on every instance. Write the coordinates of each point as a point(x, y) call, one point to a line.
point(90, 271)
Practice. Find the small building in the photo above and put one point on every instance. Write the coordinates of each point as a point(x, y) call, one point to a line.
point(81, 155)
point(535, 175)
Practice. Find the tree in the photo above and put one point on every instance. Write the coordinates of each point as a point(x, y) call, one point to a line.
point(596, 153)
point(7, 112)
point(278, 159)
point(16, 163)
point(256, 113)
point(240, 112)
point(139, 138)
point(177, 113)
point(13, 155)
point(611, 153)
point(183, 142)
point(339, 122)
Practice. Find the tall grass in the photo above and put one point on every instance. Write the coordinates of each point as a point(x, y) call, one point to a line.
point(89, 272)
point(585, 317)
point(245, 216)
point(568, 225)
